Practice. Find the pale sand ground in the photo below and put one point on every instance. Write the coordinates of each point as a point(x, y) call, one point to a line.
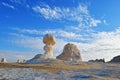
point(60, 71)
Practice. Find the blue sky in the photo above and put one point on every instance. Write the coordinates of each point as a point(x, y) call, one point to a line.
point(93, 25)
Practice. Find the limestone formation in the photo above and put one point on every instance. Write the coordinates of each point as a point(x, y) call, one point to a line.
point(3, 60)
point(116, 59)
point(70, 52)
point(39, 58)
point(49, 41)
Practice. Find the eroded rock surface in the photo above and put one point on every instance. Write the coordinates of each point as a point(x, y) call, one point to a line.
point(49, 41)
point(39, 58)
point(70, 52)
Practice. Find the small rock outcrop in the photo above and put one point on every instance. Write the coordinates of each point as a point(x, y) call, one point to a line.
point(3, 60)
point(116, 59)
point(49, 41)
point(70, 53)
point(97, 60)
point(18, 61)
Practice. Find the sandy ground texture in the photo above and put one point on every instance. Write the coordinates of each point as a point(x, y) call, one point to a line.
point(61, 71)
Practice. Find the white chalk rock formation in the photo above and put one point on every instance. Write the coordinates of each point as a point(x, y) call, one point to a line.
point(4, 60)
point(70, 53)
point(49, 41)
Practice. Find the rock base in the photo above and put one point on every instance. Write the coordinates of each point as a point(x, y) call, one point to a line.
point(39, 58)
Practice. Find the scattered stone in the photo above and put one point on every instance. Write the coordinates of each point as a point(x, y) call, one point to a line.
point(70, 53)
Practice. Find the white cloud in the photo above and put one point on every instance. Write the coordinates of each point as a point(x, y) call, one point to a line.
point(79, 14)
point(8, 5)
point(94, 22)
point(34, 43)
point(47, 12)
point(108, 39)
point(29, 31)
point(68, 35)
point(58, 48)
point(102, 45)
point(104, 21)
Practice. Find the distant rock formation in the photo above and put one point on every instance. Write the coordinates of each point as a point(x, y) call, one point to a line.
point(18, 61)
point(49, 41)
point(3, 60)
point(70, 53)
point(116, 59)
point(97, 60)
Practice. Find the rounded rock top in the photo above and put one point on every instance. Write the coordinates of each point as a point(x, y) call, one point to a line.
point(49, 39)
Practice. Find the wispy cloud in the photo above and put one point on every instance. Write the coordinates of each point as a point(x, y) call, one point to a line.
point(79, 14)
point(94, 22)
point(29, 31)
point(33, 43)
point(24, 3)
point(47, 12)
point(59, 33)
point(8, 5)
point(19, 1)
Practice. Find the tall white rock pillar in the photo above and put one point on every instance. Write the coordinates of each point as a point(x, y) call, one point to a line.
point(49, 41)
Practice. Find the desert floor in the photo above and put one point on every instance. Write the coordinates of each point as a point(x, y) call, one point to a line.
point(60, 70)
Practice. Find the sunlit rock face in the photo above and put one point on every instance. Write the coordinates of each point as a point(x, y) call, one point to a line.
point(70, 52)
point(49, 41)
point(3, 60)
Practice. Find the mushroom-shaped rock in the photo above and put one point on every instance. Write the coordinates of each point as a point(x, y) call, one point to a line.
point(49, 40)
point(70, 52)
